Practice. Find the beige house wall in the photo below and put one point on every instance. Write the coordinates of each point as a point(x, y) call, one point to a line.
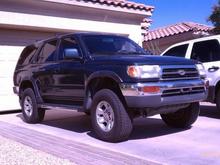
point(48, 16)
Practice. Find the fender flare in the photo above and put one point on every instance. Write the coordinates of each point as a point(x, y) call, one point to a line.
point(36, 89)
point(98, 74)
point(104, 74)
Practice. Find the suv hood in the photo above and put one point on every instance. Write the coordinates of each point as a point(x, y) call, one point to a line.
point(142, 60)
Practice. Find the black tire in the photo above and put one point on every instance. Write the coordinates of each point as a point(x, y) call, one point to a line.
point(122, 126)
point(183, 118)
point(218, 100)
point(36, 115)
point(87, 113)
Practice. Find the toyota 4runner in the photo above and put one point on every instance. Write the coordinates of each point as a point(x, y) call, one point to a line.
point(109, 77)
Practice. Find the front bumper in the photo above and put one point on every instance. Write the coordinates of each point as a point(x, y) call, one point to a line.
point(170, 93)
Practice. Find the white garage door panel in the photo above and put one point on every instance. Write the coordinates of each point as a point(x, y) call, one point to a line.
point(8, 59)
point(6, 76)
point(7, 68)
point(7, 85)
point(12, 43)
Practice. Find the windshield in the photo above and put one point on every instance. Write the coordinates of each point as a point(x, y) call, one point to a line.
point(111, 45)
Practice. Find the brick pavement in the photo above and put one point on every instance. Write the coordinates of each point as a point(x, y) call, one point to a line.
point(67, 149)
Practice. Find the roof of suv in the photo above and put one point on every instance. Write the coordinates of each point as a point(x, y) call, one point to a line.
point(198, 40)
point(37, 43)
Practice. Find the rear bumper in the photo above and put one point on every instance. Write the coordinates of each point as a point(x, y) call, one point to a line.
point(183, 92)
point(16, 90)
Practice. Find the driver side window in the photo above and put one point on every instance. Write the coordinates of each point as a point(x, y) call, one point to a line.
point(67, 43)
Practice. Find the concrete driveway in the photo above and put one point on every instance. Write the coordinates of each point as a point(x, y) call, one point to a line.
point(151, 138)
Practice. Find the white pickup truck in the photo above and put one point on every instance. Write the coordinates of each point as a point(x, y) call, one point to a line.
point(207, 51)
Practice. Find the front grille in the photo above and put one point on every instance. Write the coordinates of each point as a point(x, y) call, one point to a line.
point(183, 91)
point(179, 73)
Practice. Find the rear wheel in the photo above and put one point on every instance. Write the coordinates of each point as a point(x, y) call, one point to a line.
point(183, 118)
point(110, 120)
point(218, 100)
point(30, 111)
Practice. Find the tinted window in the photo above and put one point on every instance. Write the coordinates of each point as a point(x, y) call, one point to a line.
point(111, 45)
point(66, 44)
point(27, 55)
point(178, 51)
point(206, 51)
point(48, 52)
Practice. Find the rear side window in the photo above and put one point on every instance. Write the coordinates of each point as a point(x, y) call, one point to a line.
point(48, 52)
point(206, 51)
point(26, 55)
point(178, 51)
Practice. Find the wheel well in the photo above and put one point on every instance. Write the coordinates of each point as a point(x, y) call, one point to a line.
point(24, 85)
point(104, 83)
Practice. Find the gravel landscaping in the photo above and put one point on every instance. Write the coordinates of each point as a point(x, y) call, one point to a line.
point(14, 153)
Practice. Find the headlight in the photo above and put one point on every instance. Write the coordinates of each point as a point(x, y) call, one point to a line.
point(201, 70)
point(144, 71)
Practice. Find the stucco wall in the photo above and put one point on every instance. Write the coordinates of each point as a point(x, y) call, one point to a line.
point(47, 16)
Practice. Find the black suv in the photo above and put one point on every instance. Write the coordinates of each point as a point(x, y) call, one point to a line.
point(109, 77)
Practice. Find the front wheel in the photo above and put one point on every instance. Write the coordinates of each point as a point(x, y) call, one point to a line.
point(183, 118)
point(110, 120)
point(30, 111)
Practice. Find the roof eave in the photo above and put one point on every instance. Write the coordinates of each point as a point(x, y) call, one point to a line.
point(105, 7)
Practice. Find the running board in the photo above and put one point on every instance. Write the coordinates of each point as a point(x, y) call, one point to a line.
point(63, 107)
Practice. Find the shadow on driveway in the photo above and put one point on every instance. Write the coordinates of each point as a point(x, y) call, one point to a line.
point(209, 111)
point(6, 112)
point(79, 122)
point(76, 122)
point(145, 128)
point(152, 127)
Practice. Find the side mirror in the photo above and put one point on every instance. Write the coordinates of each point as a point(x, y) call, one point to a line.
point(71, 53)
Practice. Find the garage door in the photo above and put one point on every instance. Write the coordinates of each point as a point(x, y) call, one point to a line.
point(8, 58)
point(12, 43)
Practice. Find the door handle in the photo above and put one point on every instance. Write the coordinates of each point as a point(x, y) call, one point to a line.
point(213, 69)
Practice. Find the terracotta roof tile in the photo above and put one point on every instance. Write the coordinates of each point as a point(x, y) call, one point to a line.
point(176, 29)
point(123, 4)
